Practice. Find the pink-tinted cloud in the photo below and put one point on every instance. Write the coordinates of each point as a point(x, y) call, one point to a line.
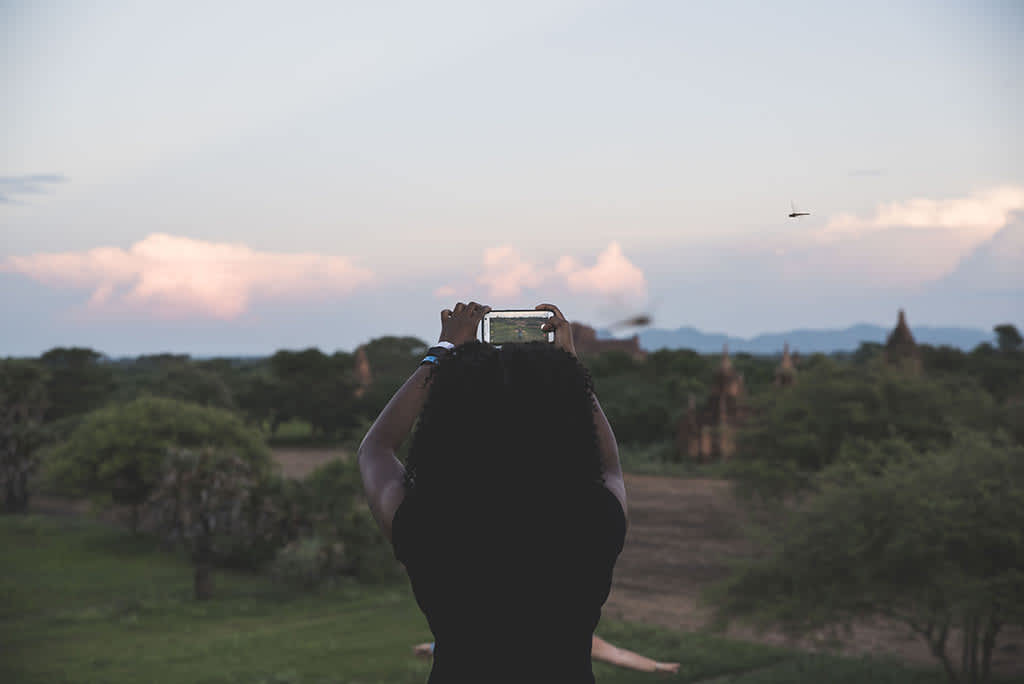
point(974, 218)
point(445, 291)
point(171, 276)
point(506, 273)
point(613, 275)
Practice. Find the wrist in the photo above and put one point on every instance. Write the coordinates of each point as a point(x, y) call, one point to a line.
point(437, 353)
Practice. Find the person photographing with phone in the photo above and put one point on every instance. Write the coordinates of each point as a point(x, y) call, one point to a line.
point(509, 514)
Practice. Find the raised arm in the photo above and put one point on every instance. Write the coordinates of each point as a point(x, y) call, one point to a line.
point(602, 650)
point(605, 437)
point(381, 470)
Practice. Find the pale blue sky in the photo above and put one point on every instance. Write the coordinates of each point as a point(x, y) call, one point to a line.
point(410, 138)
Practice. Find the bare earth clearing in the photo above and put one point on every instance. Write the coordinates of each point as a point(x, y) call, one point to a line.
point(298, 463)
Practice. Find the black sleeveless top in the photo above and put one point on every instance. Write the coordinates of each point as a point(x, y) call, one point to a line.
point(512, 590)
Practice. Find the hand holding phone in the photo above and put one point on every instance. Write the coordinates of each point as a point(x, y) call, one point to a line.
point(559, 327)
point(458, 324)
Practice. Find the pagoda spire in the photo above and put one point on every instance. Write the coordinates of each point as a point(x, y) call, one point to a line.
point(900, 347)
point(785, 373)
point(726, 361)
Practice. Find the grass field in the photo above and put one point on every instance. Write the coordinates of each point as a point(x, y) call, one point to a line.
point(87, 602)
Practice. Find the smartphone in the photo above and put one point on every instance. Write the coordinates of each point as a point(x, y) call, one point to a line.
point(515, 325)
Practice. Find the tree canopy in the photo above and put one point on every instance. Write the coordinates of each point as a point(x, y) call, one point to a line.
point(116, 453)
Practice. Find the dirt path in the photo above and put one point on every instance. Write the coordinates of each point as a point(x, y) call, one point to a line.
point(682, 532)
point(298, 463)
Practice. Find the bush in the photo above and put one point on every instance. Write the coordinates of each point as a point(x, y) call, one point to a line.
point(205, 502)
point(116, 454)
point(23, 402)
point(797, 433)
point(934, 539)
point(326, 512)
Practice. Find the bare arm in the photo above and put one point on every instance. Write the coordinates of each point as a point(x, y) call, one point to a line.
point(609, 449)
point(381, 470)
point(602, 650)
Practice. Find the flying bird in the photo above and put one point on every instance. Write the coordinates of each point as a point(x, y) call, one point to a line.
point(797, 214)
point(638, 321)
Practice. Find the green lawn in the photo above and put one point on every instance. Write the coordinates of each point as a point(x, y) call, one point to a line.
point(83, 602)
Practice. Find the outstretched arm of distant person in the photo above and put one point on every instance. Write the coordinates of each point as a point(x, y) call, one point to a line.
point(602, 650)
point(610, 464)
point(599, 650)
point(381, 470)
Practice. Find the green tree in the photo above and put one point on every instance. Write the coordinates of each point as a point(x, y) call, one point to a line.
point(333, 531)
point(206, 500)
point(1008, 337)
point(23, 403)
point(116, 453)
point(79, 381)
point(933, 540)
point(188, 381)
point(797, 433)
point(317, 388)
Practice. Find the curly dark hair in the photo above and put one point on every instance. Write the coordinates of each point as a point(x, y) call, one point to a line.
point(519, 415)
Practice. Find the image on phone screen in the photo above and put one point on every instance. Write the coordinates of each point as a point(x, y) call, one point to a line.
point(501, 327)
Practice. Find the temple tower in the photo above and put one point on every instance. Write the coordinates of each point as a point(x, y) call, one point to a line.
point(901, 348)
point(785, 373)
point(364, 376)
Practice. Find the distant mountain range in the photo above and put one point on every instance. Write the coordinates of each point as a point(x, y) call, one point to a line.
point(805, 341)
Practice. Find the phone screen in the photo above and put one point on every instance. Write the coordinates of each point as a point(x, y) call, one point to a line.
point(500, 327)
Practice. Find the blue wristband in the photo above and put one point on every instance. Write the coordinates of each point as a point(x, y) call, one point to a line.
point(430, 358)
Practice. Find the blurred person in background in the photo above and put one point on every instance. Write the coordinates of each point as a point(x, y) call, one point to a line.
point(509, 514)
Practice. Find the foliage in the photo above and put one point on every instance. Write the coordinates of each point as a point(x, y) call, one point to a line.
point(933, 539)
point(23, 403)
point(79, 381)
point(116, 454)
point(801, 431)
point(326, 512)
point(205, 502)
point(178, 377)
point(1008, 338)
point(315, 387)
point(643, 399)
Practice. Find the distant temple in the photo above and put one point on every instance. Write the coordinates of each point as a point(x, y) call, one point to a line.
point(364, 376)
point(585, 339)
point(709, 433)
point(901, 348)
point(785, 374)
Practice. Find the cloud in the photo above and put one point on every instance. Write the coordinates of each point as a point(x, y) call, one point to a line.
point(997, 266)
point(974, 218)
point(26, 185)
point(445, 291)
point(612, 275)
point(507, 273)
point(904, 244)
point(171, 276)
